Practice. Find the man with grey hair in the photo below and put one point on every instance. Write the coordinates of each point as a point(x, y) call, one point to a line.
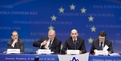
point(74, 43)
point(15, 43)
point(50, 42)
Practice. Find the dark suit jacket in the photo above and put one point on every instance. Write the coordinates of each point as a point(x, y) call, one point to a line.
point(55, 47)
point(80, 45)
point(18, 45)
point(95, 45)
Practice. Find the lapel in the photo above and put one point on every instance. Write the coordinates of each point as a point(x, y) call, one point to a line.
point(10, 43)
point(77, 42)
point(17, 44)
point(98, 45)
point(53, 43)
point(105, 43)
point(71, 42)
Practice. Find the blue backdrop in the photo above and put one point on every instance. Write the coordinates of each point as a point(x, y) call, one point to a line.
point(33, 18)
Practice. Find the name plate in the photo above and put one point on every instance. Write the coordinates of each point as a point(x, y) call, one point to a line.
point(101, 52)
point(15, 51)
point(43, 51)
point(72, 51)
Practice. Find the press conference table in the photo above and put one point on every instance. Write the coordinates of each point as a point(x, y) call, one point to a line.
point(52, 57)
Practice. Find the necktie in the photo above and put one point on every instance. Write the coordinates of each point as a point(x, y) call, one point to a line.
point(49, 44)
point(101, 48)
point(74, 44)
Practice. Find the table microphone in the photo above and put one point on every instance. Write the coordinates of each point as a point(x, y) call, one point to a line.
point(36, 58)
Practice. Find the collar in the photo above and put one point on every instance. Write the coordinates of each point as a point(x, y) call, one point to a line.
point(51, 40)
point(74, 39)
point(102, 42)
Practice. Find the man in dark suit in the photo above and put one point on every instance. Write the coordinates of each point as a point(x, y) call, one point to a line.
point(100, 43)
point(50, 42)
point(74, 43)
point(16, 43)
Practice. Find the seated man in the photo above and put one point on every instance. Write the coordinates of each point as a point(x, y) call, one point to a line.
point(100, 43)
point(50, 42)
point(74, 43)
point(15, 43)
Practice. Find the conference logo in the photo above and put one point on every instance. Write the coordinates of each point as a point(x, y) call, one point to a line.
point(74, 59)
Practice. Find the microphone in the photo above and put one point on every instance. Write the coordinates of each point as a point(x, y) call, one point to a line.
point(36, 58)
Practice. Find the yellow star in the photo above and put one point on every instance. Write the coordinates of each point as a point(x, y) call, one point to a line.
point(72, 7)
point(51, 27)
point(90, 18)
point(53, 18)
point(90, 40)
point(61, 46)
point(93, 29)
point(61, 10)
point(83, 10)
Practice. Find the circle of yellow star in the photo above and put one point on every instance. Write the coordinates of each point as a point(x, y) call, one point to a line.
point(51, 27)
point(93, 29)
point(83, 10)
point(90, 18)
point(61, 10)
point(90, 40)
point(53, 18)
point(72, 7)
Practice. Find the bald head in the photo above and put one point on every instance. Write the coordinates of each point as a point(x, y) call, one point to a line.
point(51, 34)
point(74, 33)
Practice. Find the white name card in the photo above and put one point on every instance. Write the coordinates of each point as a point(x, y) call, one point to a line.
point(43, 51)
point(72, 51)
point(15, 51)
point(105, 48)
point(114, 54)
point(101, 52)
